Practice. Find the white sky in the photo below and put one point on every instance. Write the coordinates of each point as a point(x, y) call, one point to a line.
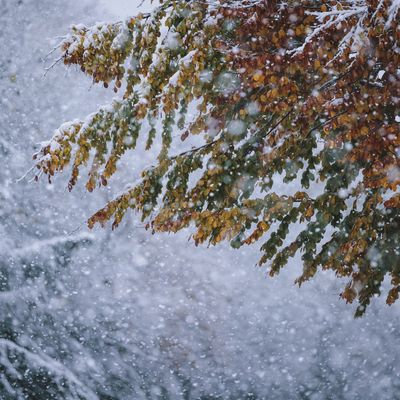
point(124, 8)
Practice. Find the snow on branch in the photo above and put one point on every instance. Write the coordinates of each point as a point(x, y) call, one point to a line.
point(356, 15)
point(59, 241)
point(18, 363)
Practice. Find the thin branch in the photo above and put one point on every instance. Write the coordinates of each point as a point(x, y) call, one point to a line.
point(55, 47)
point(26, 174)
point(194, 149)
point(53, 64)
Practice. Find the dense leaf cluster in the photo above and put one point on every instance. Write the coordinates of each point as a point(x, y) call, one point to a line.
point(307, 91)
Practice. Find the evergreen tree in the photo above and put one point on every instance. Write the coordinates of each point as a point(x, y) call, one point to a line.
point(304, 91)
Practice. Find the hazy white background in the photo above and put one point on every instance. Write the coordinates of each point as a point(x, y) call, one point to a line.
point(122, 8)
point(136, 316)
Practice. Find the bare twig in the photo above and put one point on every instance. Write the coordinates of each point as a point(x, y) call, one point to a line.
point(53, 64)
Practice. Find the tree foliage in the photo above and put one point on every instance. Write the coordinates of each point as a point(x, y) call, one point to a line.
point(304, 91)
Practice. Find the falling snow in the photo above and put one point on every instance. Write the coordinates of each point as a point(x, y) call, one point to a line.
point(120, 315)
